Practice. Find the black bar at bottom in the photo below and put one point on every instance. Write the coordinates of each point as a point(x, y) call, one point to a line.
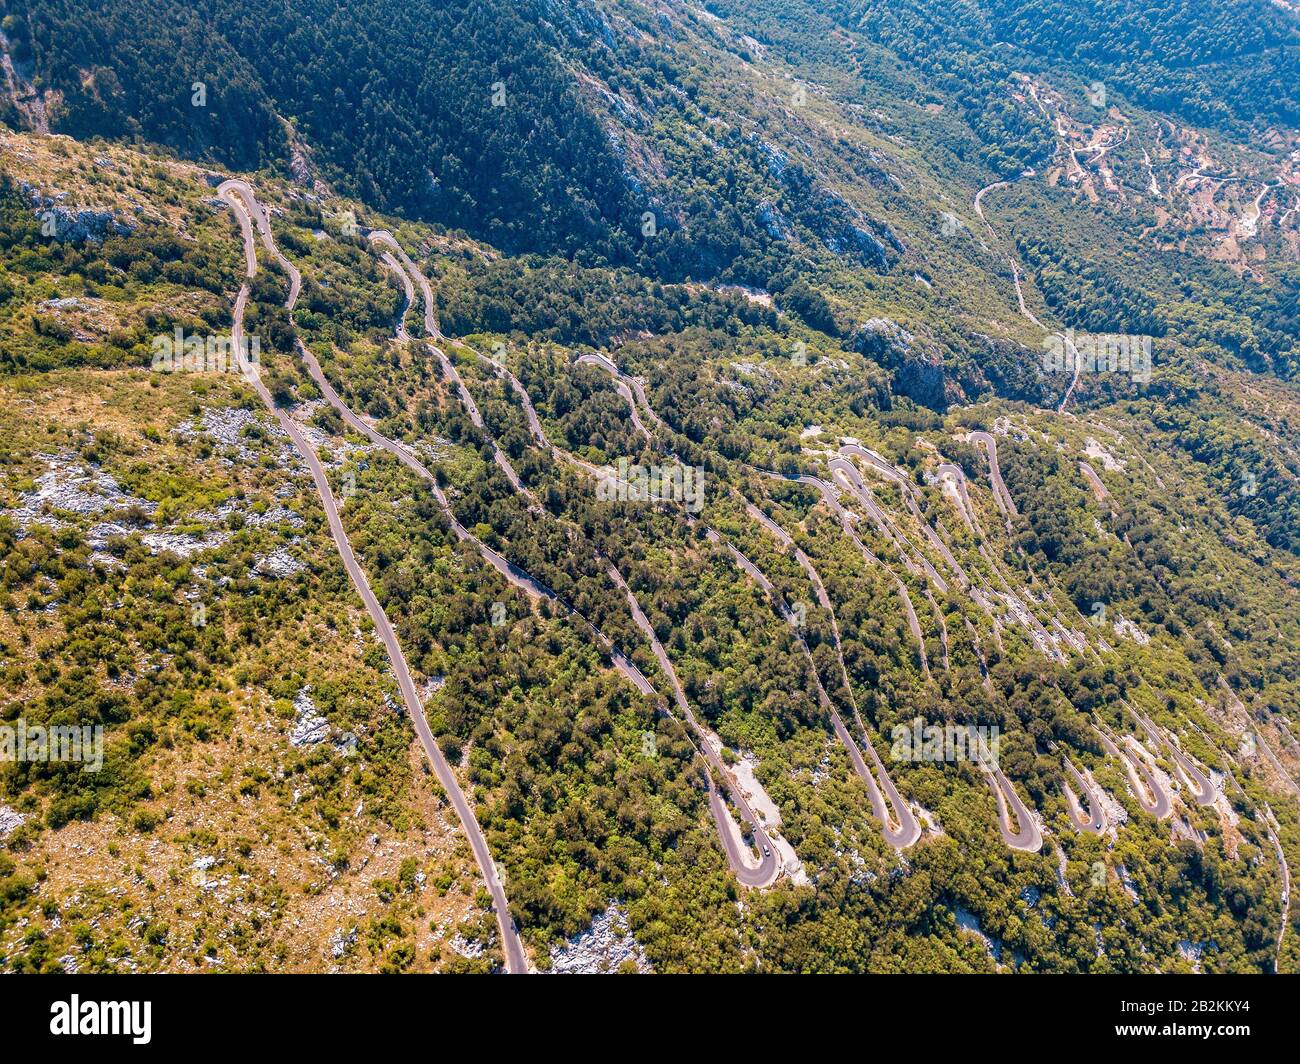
point(594, 1015)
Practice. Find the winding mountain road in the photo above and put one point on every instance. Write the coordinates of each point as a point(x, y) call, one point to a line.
point(1025, 312)
point(622, 386)
point(898, 824)
point(912, 558)
point(900, 830)
point(846, 523)
point(1026, 834)
point(408, 291)
point(1098, 488)
point(749, 874)
point(954, 474)
point(1142, 781)
point(1095, 823)
point(899, 827)
point(239, 195)
point(1274, 837)
point(1003, 497)
point(1197, 781)
point(766, 870)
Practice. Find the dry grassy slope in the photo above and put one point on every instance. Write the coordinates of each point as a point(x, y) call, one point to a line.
point(285, 880)
point(296, 925)
point(288, 843)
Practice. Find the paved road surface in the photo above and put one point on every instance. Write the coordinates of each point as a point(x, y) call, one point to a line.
point(1026, 835)
point(623, 389)
point(916, 562)
point(767, 869)
point(1273, 833)
point(1142, 782)
point(900, 828)
point(899, 832)
point(964, 507)
point(384, 239)
point(1025, 312)
point(1198, 782)
point(1000, 493)
point(846, 523)
point(408, 291)
point(903, 831)
point(1094, 482)
point(1096, 823)
point(240, 197)
point(751, 875)
point(259, 215)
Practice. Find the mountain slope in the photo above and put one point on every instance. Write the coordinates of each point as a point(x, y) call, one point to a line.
point(705, 538)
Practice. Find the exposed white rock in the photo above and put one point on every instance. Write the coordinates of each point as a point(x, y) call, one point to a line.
point(310, 727)
point(1108, 461)
point(225, 426)
point(98, 535)
point(1125, 627)
point(465, 947)
point(9, 820)
point(181, 545)
point(970, 923)
point(278, 563)
point(72, 486)
point(603, 947)
point(341, 942)
point(276, 515)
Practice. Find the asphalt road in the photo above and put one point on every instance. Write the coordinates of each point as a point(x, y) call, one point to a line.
point(1142, 782)
point(958, 476)
point(384, 239)
point(408, 291)
point(1094, 823)
point(241, 198)
point(1094, 482)
point(916, 562)
point(900, 832)
point(1026, 836)
point(846, 523)
point(1198, 782)
point(623, 389)
point(898, 824)
point(896, 476)
point(1003, 497)
point(766, 870)
point(259, 215)
point(1273, 831)
point(902, 829)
